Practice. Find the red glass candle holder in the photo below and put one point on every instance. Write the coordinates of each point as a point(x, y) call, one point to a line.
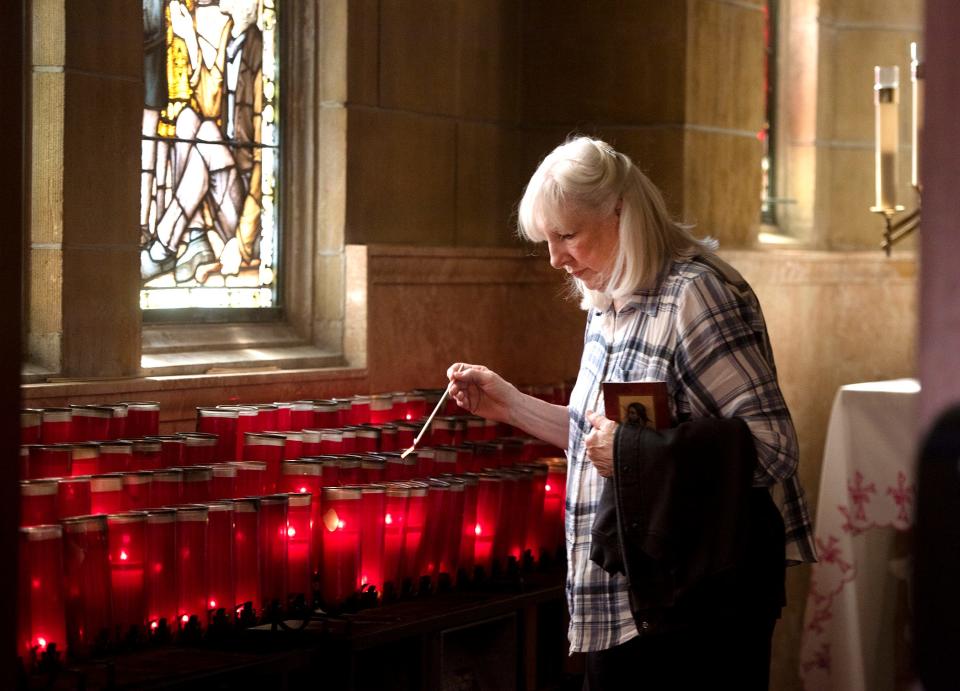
point(266, 418)
point(444, 460)
point(395, 468)
point(24, 461)
point(368, 439)
point(373, 506)
point(284, 415)
point(273, 549)
point(331, 442)
point(468, 524)
point(86, 578)
point(326, 414)
point(299, 545)
point(432, 545)
point(221, 571)
point(475, 427)
point(413, 531)
point(38, 502)
point(30, 420)
point(344, 410)
point(127, 539)
point(73, 497)
point(42, 627)
point(490, 428)
point(443, 432)
point(251, 478)
point(381, 409)
point(331, 469)
point(486, 456)
point(465, 463)
point(538, 483)
point(118, 422)
point(416, 406)
point(246, 422)
point(554, 502)
point(161, 560)
point(91, 423)
point(372, 469)
point(106, 494)
point(116, 456)
point(388, 438)
point(171, 451)
point(450, 555)
point(143, 419)
point(56, 426)
point(197, 484)
point(199, 448)
point(224, 481)
point(48, 460)
point(489, 492)
point(425, 462)
point(301, 415)
point(223, 423)
point(310, 439)
point(349, 472)
point(505, 541)
point(84, 459)
point(340, 576)
point(293, 445)
point(138, 490)
point(146, 454)
point(301, 477)
point(349, 440)
point(394, 522)
point(268, 449)
point(518, 512)
point(167, 489)
point(406, 433)
point(191, 528)
point(246, 551)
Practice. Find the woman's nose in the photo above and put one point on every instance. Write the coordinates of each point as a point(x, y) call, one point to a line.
point(557, 256)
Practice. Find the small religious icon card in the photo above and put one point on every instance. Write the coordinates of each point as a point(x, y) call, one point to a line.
point(643, 402)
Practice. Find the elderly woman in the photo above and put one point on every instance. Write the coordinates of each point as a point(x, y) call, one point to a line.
point(661, 306)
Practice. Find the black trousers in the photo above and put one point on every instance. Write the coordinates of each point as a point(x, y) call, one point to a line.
point(716, 637)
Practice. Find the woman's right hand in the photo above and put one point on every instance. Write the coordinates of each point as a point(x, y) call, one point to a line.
point(481, 391)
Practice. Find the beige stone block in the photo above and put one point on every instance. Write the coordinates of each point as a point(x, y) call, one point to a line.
point(322, 28)
point(101, 336)
point(798, 187)
point(101, 158)
point(725, 78)
point(363, 52)
point(659, 153)
point(47, 29)
point(490, 182)
point(603, 61)
point(330, 286)
point(854, 55)
point(45, 284)
point(879, 12)
point(331, 183)
point(46, 162)
point(721, 186)
point(419, 56)
point(400, 183)
point(488, 84)
point(105, 37)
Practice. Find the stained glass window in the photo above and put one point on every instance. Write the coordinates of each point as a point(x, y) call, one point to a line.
point(210, 154)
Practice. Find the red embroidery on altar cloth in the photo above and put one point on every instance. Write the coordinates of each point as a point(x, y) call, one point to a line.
point(902, 496)
point(819, 618)
point(830, 553)
point(860, 495)
point(819, 660)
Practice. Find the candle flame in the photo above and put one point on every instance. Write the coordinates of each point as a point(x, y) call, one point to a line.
point(291, 531)
point(213, 604)
point(123, 555)
point(35, 583)
point(409, 416)
point(42, 642)
point(388, 519)
point(303, 490)
point(477, 529)
point(185, 618)
point(154, 625)
point(341, 525)
point(547, 487)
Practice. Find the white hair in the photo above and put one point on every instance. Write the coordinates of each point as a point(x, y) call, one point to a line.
point(587, 174)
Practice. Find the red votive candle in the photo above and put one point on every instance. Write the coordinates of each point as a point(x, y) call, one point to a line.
point(538, 483)
point(310, 439)
point(266, 418)
point(425, 462)
point(331, 469)
point(147, 455)
point(368, 439)
point(349, 471)
point(30, 419)
point(306, 477)
point(488, 514)
point(445, 460)
point(416, 407)
point(167, 488)
point(84, 459)
point(192, 563)
point(197, 484)
point(91, 423)
point(49, 461)
point(106, 494)
point(464, 459)
point(331, 442)
point(171, 451)
point(41, 616)
point(299, 545)
point(38, 502)
point(349, 440)
point(434, 534)
point(293, 445)
point(340, 576)
point(443, 432)
point(395, 468)
point(86, 578)
point(388, 438)
point(284, 414)
point(519, 511)
point(373, 505)
point(221, 571)
point(24, 469)
point(381, 408)
point(273, 549)
point(199, 448)
point(246, 551)
point(489, 430)
point(450, 556)
point(505, 542)
point(246, 422)
point(268, 449)
point(413, 531)
point(143, 419)
point(301, 415)
point(224, 481)
point(118, 422)
point(251, 478)
point(161, 577)
point(73, 497)
point(406, 433)
point(394, 522)
point(223, 423)
point(486, 456)
point(372, 469)
point(138, 490)
point(468, 524)
point(475, 427)
point(116, 456)
point(554, 501)
point(56, 426)
point(127, 538)
point(326, 414)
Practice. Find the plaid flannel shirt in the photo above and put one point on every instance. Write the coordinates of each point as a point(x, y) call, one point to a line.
point(702, 332)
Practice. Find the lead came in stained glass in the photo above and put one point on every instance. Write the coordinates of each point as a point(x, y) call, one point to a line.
point(210, 156)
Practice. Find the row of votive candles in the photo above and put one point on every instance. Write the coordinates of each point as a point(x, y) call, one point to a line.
point(91, 580)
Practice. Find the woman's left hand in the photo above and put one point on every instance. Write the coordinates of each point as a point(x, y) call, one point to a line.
point(599, 443)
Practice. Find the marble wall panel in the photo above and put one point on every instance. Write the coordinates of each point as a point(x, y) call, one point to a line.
point(46, 162)
point(105, 37)
point(488, 75)
point(363, 50)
